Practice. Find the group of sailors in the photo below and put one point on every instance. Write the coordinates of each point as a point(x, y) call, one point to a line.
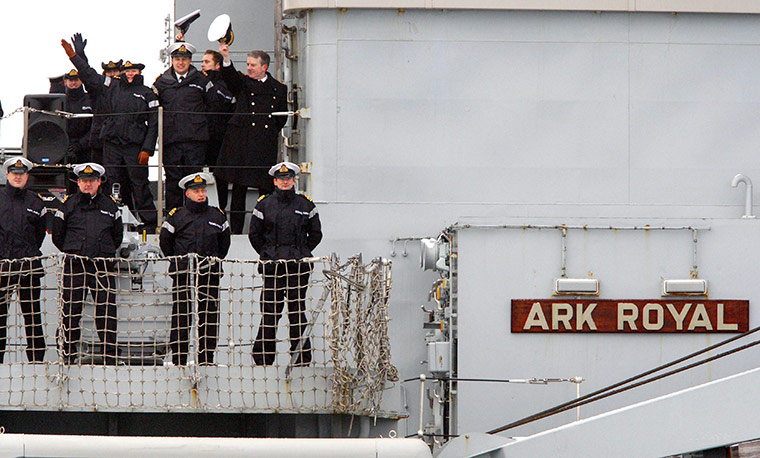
point(216, 117)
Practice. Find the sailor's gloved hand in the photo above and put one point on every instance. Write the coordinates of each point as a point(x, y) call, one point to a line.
point(69, 50)
point(143, 157)
point(79, 44)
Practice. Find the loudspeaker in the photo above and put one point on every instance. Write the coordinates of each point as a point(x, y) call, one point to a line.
point(47, 140)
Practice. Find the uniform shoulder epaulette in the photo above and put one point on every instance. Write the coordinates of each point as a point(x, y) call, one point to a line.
point(113, 198)
point(221, 211)
point(204, 72)
point(154, 90)
point(261, 197)
point(65, 198)
point(305, 195)
point(40, 196)
point(173, 210)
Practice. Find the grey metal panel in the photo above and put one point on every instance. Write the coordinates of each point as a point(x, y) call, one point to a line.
point(492, 26)
point(485, 121)
point(562, 91)
point(694, 28)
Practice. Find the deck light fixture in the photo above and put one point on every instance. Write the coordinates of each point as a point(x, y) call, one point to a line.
point(576, 286)
point(685, 287)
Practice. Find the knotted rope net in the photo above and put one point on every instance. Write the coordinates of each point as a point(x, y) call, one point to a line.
point(194, 333)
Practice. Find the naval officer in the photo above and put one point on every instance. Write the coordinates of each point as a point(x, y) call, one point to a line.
point(78, 129)
point(201, 229)
point(285, 228)
point(110, 70)
point(185, 93)
point(250, 144)
point(128, 135)
point(22, 230)
point(88, 226)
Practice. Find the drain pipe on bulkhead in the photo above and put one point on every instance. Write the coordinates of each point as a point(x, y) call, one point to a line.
point(739, 178)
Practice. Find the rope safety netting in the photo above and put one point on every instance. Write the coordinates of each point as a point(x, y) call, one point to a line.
point(158, 333)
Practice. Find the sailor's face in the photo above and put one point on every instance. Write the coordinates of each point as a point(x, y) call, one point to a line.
point(255, 69)
point(131, 73)
point(18, 180)
point(197, 194)
point(208, 64)
point(181, 64)
point(89, 185)
point(112, 72)
point(284, 183)
point(74, 83)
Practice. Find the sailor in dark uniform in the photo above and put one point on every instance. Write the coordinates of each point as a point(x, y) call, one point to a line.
point(185, 93)
point(110, 70)
point(128, 134)
point(88, 226)
point(285, 228)
point(220, 109)
point(78, 129)
point(22, 230)
point(250, 143)
point(201, 229)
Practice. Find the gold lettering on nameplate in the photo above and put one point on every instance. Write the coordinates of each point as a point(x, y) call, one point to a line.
point(679, 316)
point(536, 318)
point(584, 317)
point(561, 313)
point(647, 317)
point(629, 316)
point(722, 325)
point(700, 318)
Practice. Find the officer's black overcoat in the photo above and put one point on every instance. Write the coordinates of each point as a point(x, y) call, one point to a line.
point(250, 146)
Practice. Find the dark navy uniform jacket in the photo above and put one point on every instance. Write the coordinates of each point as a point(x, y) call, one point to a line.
point(78, 129)
point(250, 144)
point(221, 101)
point(22, 225)
point(137, 105)
point(285, 225)
point(88, 226)
point(181, 102)
point(195, 228)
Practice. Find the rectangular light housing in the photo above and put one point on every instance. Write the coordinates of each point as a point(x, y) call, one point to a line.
point(576, 286)
point(439, 356)
point(686, 287)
